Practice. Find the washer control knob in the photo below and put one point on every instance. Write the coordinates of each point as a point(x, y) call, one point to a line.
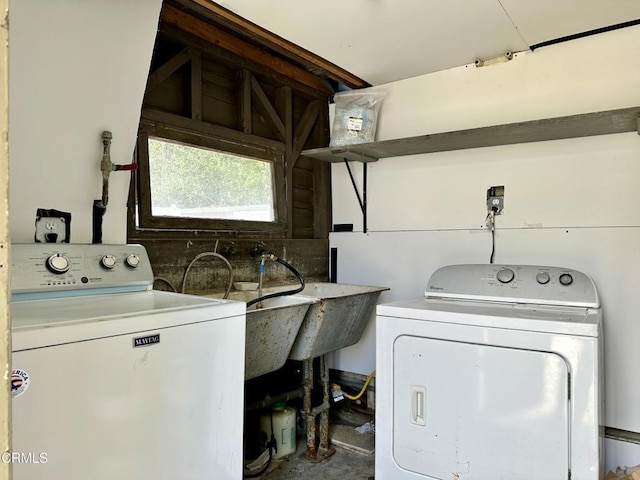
point(505, 275)
point(108, 261)
point(566, 279)
point(543, 278)
point(58, 263)
point(133, 260)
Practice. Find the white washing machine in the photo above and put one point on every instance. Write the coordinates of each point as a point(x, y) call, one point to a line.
point(114, 380)
point(495, 374)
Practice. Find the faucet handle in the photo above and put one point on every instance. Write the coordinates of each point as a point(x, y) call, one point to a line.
point(258, 249)
point(229, 250)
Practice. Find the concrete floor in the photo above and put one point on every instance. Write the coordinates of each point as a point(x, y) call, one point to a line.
point(353, 460)
point(343, 464)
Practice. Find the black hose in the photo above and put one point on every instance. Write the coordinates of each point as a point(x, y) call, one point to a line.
point(286, 292)
point(98, 212)
point(273, 445)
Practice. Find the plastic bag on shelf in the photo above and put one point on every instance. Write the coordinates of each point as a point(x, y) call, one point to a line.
point(356, 116)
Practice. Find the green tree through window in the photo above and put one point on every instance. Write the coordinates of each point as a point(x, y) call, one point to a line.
point(194, 182)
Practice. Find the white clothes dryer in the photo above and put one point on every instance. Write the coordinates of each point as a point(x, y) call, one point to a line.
point(495, 374)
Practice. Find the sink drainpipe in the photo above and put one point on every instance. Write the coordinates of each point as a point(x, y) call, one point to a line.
point(323, 451)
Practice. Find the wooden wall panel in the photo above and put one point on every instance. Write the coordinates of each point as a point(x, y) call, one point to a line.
point(261, 126)
point(170, 96)
point(218, 93)
point(303, 218)
point(221, 90)
point(219, 74)
point(302, 196)
point(305, 163)
point(302, 179)
point(170, 259)
point(219, 113)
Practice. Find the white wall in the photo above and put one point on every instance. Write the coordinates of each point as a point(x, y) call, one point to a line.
point(76, 68)
point(572, 203)
point(5, 294)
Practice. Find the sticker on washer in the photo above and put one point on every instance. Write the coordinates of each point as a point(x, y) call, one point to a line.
point(19, 382)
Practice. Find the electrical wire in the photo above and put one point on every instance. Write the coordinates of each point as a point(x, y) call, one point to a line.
point(490, 222)
point(493, 245)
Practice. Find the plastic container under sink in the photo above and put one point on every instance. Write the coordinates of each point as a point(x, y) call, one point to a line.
point(244, 286)
point(284, 428)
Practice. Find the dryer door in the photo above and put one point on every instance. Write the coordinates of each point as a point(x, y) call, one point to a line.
point(479, 411)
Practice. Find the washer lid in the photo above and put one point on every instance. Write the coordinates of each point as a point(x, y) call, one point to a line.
point(514, 283)
point(512, 316)
point(46, 322)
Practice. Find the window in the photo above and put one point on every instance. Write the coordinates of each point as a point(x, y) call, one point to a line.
point(194, 182)
point(190, 180)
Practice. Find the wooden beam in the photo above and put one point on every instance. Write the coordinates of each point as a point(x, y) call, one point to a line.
point(321, 199)
point(305, 126)
point(196, 85)
point(241, 26)
point(225, 134)
point(284, 101)
point(178, 18)
point(309, 60)
point(265, 106)
point(244, 96)
point(166, 69)
point(215, 53)
point(322, 222)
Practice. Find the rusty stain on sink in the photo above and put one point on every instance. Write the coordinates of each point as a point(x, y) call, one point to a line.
point(270, 330)
point(337, 320)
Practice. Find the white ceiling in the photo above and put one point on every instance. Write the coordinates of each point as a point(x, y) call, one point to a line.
point(383, 41)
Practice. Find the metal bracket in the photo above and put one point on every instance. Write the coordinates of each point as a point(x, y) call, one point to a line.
point(362, 201)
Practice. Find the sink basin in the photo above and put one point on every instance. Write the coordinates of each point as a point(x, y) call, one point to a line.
point(336, 320)
point(270, 330)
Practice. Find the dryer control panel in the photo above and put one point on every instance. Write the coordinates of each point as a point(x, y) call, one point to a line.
point(514, 284)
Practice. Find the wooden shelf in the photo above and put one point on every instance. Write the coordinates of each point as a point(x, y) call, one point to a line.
point(573, 126)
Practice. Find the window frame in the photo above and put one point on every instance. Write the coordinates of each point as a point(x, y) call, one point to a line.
point(242, 145)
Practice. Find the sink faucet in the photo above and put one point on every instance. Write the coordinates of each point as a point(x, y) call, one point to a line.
point(258, 249)
point(263, 258)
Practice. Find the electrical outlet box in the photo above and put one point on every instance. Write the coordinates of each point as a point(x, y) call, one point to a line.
point(52, 226)
point(495, 199)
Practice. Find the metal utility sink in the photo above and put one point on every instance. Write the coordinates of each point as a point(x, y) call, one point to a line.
point(336, 321)
point(270, 330)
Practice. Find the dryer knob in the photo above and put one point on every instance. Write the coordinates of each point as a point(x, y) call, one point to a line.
point(566, 279)
point(543, 278)
point(133, 260)
point(505, 275)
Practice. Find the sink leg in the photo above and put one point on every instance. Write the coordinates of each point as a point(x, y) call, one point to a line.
point(307, 368)
point(315, 453)
point(324, 450)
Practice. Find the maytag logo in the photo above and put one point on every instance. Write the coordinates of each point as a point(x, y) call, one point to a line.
point(146, 341)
